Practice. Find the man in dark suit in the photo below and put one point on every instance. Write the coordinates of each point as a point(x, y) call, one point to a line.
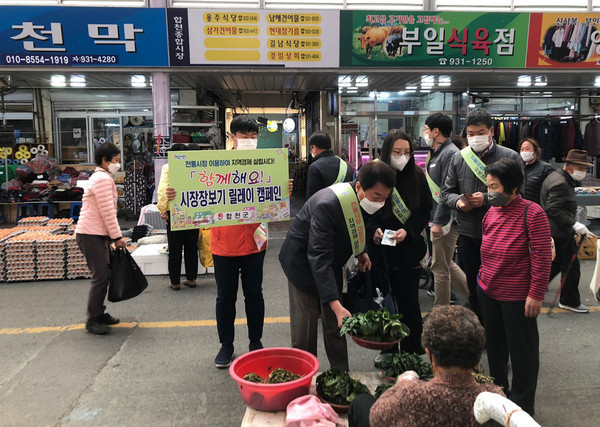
point(326, 168)
point(326, 232)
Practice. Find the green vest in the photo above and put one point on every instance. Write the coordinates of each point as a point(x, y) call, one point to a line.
point(341, 171)
point(433, 187)
point(475, 163)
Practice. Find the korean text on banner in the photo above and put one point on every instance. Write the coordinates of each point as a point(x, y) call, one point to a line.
point(83, 36)
point(564, 40)
point(433, 39)
point(219, 188)
point(254, 37)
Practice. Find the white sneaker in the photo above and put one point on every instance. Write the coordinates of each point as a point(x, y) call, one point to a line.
point(579, 309)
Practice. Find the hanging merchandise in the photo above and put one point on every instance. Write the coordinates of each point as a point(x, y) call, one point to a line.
point(592, 137)
point(136, 186)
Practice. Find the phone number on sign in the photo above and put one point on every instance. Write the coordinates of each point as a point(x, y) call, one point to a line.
point(40, 59)
point(462, 61)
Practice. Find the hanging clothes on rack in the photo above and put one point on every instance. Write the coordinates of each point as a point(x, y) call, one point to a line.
point(592, 137)
point(136, 185)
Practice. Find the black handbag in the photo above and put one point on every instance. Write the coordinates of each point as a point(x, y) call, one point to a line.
point(362, 296)
point(126, 278)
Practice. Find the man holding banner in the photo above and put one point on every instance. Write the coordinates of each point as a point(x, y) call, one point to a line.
point(325, 233)
point(326, 168)
point(465, 190)
point(444, 234)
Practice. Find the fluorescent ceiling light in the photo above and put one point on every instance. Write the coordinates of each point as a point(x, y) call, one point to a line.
point(597, 81)
point(541, 81)
point(547, 94)
point(77, 81)
point(383, 95)
point(402, 92)
point(427, 79)
point(58, 81)
point(524, 81)
point(444, 81)
point(138, 80)
point(425, 90)
point(412, 87)
point(472, 105)
point(361, 81)
point(344, 81)
point(410, 90)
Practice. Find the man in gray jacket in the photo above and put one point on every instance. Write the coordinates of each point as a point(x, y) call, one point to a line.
point(444, 234)
point(465, 190)
point(558, 200)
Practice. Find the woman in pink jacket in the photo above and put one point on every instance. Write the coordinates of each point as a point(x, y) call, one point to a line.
point(96, 229)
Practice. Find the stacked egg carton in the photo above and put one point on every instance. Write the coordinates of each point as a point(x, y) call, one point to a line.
point(62, 223)
point(33, 221)
point(51, 257)
point(20, 257)
point(76, 266)
point(5, 234)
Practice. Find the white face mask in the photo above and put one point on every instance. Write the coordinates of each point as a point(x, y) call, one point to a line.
point(527, 156)
point(479, 143)
point(113, 168)
point(578, 175)
point(428, 140)
point(369, 206)
point(399, 162)
point(247, 144)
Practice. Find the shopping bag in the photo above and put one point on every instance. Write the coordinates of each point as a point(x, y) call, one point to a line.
point(595, 283)
point(204, 254)
point(588, 247)
point(363, 295)
point(126, 278)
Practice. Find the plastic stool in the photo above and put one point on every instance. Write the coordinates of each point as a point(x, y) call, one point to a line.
point(46, 209)
point(75, 210)
point(24, 210)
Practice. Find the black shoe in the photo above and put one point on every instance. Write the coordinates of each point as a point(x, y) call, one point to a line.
point(225, 356)
point(255, 345)
point(431, 291)
point(107, 319)
point(94, 326)
point(453, 298)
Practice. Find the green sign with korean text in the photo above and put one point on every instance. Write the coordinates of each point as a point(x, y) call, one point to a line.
point(433, 39)
point(220, 188)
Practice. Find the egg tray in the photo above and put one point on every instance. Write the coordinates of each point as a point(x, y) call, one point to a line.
point(78, 275)
point(34, 220)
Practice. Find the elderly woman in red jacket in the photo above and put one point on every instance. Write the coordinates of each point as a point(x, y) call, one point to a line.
point(96, 229)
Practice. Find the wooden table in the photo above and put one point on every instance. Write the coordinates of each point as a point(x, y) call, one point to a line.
point(254, 418)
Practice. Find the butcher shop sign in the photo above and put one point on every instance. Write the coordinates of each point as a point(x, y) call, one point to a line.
point(433, 39)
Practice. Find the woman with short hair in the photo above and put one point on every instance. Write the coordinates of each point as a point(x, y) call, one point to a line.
point(96, 229)
point(453, 340)
point(516, 255)
point(536, 170)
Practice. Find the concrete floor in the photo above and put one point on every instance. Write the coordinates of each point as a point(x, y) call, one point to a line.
point(162, 373)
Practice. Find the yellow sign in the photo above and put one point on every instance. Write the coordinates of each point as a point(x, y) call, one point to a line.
point(232, 55)
point(294, 44)
point(231, 18)
point(284, 31)
point(291, 55)
point(294, 18)
point(232, 30)
point(231, 43)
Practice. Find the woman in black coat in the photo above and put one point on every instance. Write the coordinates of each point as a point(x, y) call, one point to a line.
point(402, 262)
point(536, 170)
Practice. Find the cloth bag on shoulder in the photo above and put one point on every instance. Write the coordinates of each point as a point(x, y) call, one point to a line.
point(126, 278)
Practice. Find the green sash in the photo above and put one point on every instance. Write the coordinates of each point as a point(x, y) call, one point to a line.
point(353, 216)
point(342, 171)
point(398, 206)
point(433, 187)
point(474, 163)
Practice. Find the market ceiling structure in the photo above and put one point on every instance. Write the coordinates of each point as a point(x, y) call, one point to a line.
point(227, 84)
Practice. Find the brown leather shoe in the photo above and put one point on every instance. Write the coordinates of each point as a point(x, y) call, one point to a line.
point(175, 287)
point(190, 283)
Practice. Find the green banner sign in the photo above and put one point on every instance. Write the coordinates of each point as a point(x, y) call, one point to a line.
point(433, 39)
point(219, 188)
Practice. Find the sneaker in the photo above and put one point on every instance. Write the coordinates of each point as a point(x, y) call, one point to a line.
point(255, 345)
point(190, 283)
point(225, 356)
point(94, 326)
point(175, 287)
point(453, 298)
point(579, 309)
point(431, 291)
point(107, 319)
point(378, 359)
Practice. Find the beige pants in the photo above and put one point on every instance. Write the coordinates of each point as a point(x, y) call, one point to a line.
point(445, 271)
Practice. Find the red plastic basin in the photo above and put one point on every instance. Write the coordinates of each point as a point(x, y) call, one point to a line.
point(274, 397)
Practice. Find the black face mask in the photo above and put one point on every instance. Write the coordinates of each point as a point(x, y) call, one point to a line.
point(497, 199)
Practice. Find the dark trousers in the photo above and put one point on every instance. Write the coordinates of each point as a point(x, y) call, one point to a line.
point(304, 323)
point(227, 275)
point(360, 409)
point(509, 333)
point(470, 254)
point(565, 249)
point(188, 241)
point(95, 250)
point(405, 286)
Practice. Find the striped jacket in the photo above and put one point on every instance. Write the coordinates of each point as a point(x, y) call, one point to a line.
point(515, 263)
point(99, 210)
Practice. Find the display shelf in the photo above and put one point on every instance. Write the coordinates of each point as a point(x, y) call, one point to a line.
point(193, 124)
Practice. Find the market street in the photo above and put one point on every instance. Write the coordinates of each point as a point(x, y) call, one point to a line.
point(157, 367)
